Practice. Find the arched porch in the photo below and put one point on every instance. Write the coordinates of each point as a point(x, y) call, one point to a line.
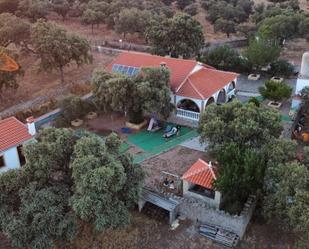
point(209, 101)
point(231, 90)
point(222, 97)
point(188, 108)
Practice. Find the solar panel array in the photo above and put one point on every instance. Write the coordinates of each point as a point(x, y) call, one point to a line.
point(130, 71)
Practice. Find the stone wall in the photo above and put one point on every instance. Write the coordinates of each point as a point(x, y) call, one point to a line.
point(197, 210)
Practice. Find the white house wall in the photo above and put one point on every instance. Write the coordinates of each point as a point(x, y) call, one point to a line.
point(11, 159)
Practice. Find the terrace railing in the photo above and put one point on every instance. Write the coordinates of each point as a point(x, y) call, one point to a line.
point(188, 114)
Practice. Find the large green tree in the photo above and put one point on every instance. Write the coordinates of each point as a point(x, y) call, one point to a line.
point(13, 30)
point(104, 187)
point(177, 36)
point(57, 48)
point(261, 52)
point(33, 9)
point(68, 176)
point(132, 21)
point(240, 138)
point(95, 13)
point(148, 92)
point(245, 125)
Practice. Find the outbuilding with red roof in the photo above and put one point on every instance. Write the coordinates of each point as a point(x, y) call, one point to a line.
point(194, 85)
point(198, 183)
point(13, 136)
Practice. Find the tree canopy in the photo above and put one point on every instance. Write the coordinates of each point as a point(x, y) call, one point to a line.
point(57, 48)
point(68, 176)
point(13, 30)
point(177, 36)
point(261, 52)
point(148, 92)
point(240, 136)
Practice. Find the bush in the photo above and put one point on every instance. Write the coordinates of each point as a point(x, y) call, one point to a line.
point(281, 68)
point(254, 101)
point(275, 91)
point(72, 107)
point(226, 58)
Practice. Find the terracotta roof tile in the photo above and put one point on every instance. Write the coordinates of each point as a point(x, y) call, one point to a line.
point(12, 133)
point(201, 173)
point(203, 83)
point(179, 68)
point(200, 84)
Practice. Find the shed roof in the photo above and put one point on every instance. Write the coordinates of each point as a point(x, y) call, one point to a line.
point(201, 173)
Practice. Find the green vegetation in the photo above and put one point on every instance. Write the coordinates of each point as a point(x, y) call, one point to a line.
point(148, 92)
point(72, 107)
point(13, 31)
point(57, 48)
point(275, 91)
point(33, 9)
point(239, 137)
point(69, 176)
point(281, 68)
point(261, 52)
point(226, 58)
point(177, 36)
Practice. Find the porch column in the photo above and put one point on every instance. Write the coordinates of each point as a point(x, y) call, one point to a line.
point(202, 106)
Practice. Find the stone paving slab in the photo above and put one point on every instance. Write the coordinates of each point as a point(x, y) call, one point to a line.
point(195, 144)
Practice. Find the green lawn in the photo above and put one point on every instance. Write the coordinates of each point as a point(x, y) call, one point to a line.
point(152, 141)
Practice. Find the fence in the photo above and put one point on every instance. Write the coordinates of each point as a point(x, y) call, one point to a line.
point(188, 114)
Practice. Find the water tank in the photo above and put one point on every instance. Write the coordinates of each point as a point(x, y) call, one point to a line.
point(304, 71)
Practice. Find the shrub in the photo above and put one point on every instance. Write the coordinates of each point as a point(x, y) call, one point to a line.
point(275, 91)
point(72, 107)
point(281, 68)
point(254, 101)
point(227, 58)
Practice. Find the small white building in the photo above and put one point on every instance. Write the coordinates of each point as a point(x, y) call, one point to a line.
point(13, 136)
point(194, 85)
point(198, 183)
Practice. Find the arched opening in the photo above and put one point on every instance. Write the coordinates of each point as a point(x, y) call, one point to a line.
point(188, 105)
point(232, 86)
point(221, 97)
point(211, 100)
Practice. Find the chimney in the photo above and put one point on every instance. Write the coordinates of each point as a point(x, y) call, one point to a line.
point(163, 64)
point(210, 164)
point(31, 126)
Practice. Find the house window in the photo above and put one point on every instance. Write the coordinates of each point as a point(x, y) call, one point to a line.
point(2, 163)
point(21, 156)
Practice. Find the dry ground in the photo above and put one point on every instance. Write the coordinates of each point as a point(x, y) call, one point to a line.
point(175, 161)
point(35, 83)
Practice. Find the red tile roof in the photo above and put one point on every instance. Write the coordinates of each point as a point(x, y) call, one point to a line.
point(12, 133)
point(179, 68)
point(200, 84)
point(203, 83)
point(201, 173)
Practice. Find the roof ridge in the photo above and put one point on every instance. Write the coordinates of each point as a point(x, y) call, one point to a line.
point(194, 87)
point(199, 170)
point(158, 56)
point(215, 69)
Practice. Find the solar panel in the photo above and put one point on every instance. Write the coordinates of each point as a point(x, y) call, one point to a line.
point(127, 70)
